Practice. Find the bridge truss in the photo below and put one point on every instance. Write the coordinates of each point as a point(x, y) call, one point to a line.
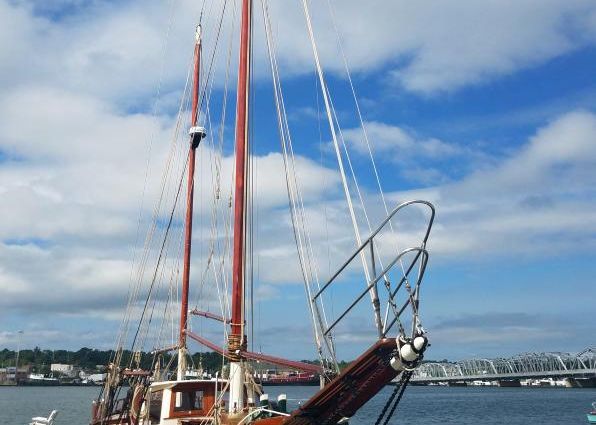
point(527, 365)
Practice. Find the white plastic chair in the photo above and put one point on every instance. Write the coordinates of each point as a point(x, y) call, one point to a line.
point(44, 421)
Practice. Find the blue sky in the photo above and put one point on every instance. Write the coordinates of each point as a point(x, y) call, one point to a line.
point(488, 111)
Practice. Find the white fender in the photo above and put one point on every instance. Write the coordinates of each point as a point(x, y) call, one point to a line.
point(419, 343)
point(407, 353)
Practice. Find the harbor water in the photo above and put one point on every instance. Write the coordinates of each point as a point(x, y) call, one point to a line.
point(420, 405)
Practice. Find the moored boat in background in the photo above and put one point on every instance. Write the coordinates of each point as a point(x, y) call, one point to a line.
point(592, 414)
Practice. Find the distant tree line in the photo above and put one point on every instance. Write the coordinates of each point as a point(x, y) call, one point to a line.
point(89, 359)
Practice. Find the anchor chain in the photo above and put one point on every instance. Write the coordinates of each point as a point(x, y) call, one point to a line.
point(399, 392)
point(355, 391)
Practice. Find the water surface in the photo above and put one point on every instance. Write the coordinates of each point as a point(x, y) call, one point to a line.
point(420, 405)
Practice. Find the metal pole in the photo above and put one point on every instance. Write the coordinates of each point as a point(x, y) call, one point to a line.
point(16, 368)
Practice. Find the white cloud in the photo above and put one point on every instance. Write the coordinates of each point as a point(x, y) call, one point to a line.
point(399, 142)
point(434, 46)
point(71, 190)
point(428, 46)
point(426, 160)
point(539, 201)
point(73, 155)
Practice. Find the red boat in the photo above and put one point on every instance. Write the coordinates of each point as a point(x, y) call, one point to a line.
point(272, 378)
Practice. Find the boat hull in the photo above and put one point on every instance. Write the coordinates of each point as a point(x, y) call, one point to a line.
point(351, 389)
point(39, 383)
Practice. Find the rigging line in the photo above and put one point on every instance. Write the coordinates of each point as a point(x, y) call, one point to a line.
point(216, 194)
point(311, 262)
point(202, 280)
point(175, 262)
point(156, 211)
point(227, 213)
point(385, 278)
point(362, 125)
point(165, 312)
point(157, 266)
point(301, 209)
point(217, 166)
point(289, 186)
point(162, 266)
point(253, 198)
point(292, 185)
point(226, 254)
point(151, 140)
point(359, 193)
point(165, 175)
point(357, 104)
point(371, 156)
point(173, 273)
point(224, 300)
point(373, 290)
point(219, 271)
point(350, 167)
point(251, 186)
point(202, 10)
point(325, 206)
point(212, 61)
point(145, 331)
point(135, 290)
point(302, 216)
point(160, 255)
point(220, 296)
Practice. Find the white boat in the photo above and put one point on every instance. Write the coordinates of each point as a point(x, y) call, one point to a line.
point(40, 420)
point(38, 379)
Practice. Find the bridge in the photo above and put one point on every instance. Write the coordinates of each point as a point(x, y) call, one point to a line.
point(579, 368)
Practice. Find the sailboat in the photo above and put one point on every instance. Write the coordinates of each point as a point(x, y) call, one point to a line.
point(144, 391)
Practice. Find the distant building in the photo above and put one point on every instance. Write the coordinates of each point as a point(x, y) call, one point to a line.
point(62, 368)
point(11, 375)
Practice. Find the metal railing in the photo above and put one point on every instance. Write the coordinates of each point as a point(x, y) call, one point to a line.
point(420, 258)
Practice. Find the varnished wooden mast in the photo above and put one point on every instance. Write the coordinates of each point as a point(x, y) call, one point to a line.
point(236, 335)
point(236, 338)
point(195, 138)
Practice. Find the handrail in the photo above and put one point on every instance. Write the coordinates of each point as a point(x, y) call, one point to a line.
point(420, 251)
point(368, 240)
point(375, 281)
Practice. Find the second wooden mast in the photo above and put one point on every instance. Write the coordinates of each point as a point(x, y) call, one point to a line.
point(237, 338)
point(196, 135)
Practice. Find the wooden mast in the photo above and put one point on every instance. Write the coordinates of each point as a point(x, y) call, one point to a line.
point(196, 134)
point(237, 340)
